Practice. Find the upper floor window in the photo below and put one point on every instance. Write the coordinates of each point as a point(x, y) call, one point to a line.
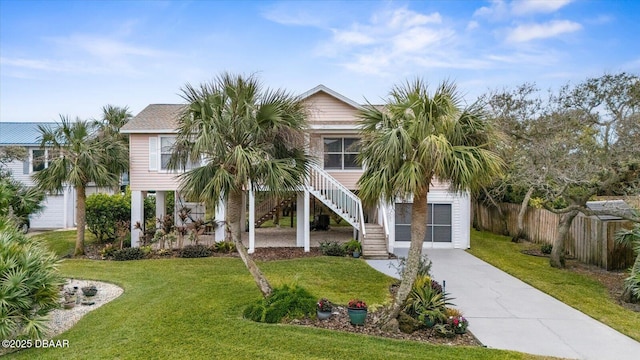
point(166, 145)
point(39, 159)
point(341, 153)
point(160, 151)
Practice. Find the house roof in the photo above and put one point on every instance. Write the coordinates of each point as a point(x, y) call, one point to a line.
point(21, 133)
point(609, 205)
point(162, 118)
point(336, 95)
point(155, 118)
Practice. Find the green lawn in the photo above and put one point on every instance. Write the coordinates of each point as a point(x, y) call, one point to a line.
point(579, 291)
point(191, 309)
point(63, 243)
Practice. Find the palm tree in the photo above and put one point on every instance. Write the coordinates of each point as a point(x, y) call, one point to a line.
point(243, 136)
point(415, 139)
point(78, 157)
point(108, 130)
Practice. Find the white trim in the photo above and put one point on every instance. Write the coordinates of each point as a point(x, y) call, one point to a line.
point(337, 127)
point(153, 153)
point(328, 91)
point(149, 131)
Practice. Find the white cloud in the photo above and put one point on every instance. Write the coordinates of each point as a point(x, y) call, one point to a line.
point(524, 7)
point(403, 18)
point(496, 11)
point(528, 32)
point(472, 25)
point(352, 38)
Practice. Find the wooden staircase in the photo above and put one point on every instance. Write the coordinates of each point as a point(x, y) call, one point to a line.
point(348, 206)
point(374, 244)
point(271, 207)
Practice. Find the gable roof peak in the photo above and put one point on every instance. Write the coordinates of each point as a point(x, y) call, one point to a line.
point(326, 90)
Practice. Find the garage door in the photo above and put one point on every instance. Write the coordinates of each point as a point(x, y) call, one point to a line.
point(52, 217)
point(438, 223)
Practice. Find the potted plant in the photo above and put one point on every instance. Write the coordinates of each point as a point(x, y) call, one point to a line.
point(459, 324)
point(357, 310)
point(89, 291)
point(354, 247)
point(323, 309)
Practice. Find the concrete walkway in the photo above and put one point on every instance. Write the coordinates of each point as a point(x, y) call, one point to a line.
point(505, 313)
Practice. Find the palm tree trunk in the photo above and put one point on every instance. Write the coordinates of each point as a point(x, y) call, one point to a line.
point(520, 234)
point(81, 218)
point(418, 230)
point(557, 254)
point(234, 211)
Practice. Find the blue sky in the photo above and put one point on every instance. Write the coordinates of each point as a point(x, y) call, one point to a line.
point(73, 57)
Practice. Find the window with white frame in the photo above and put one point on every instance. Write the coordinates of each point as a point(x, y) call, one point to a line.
point(341, 153)
point(39, 159)
point(166, 146)
point(160, 150)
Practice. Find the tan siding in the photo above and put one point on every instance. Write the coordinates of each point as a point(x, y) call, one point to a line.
point(348, 178)
point(325, 109)
point(140, 177)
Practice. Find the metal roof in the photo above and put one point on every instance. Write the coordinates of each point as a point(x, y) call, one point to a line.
point(21, 133)
point(614, 206)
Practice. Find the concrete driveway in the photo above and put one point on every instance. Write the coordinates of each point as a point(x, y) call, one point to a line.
point(505, 313)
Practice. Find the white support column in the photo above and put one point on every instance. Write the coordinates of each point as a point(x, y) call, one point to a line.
point(300, 225)
point(161, 204)
point(220, 220)
point(305, 220)
point(137, 215)
point(252, 221)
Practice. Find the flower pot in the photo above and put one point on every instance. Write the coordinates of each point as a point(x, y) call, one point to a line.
point(356, 254)
point(459, 330)
point(323, 315)
point(69, 304)
point(429, 322)
point(357, 316)
point(89, 291)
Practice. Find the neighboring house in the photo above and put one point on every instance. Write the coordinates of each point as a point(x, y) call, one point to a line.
point(59, 209)
point(333, 135)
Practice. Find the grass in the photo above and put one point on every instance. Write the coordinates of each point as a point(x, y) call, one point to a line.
point(191, 309)
point(63, 243)
point(577, 290)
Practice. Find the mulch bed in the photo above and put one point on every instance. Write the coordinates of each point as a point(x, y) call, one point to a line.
point(339, 321)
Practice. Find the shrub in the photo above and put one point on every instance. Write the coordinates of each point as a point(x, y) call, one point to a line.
point(352, 245)
point(129, 254)
point(104, 212)
point(425, 303)
point(29, 284)
point(224, 247)
point(546, 248)
point(291, 302)
point(332, 248)
point(195, 251)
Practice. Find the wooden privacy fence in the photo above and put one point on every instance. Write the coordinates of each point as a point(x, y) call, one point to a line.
point(591, 240)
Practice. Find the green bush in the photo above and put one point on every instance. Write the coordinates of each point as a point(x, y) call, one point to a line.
point(352, 245)
point(195, 251)
point(424, 266)
point(225, 247)
point(129, 254)
point(332, 248)
point(29, 284)
point(292, 302)
point(426, 301)
point(104, 212)
point(546, 248)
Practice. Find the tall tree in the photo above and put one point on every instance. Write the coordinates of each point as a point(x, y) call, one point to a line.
point(79, 157)
point(108, 130)
point(245, 137)
point(415, 139)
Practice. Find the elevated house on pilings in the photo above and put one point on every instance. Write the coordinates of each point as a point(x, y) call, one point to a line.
point(333, 136)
